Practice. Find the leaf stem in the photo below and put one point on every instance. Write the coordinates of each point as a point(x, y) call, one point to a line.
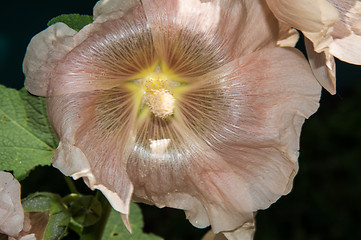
point(75, 227)
point(70, 198)
point(70, 184)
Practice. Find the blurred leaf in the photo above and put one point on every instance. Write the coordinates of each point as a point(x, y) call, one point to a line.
point(115, 229)
point(86, 210)
point(74, 21)
point(59, 216)
point(37, 202)
point(26, 137)
point(58, 221)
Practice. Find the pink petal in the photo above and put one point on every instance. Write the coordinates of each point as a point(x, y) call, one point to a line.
point(28, 237)
point(305, 15)
point(225, 166)
point(105, 55)
point(42, 54)
point(347, 32)
point(240, 27)
point(314, 18)
point(106, 7)
point(287, 37)
point(231, 147)
point(105, 10)
point(323, 67)
point(11, 210)
point(245, 232)
point(347, 49)
point(79, 155)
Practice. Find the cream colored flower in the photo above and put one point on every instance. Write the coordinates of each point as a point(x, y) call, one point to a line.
point(332, 29)
point(186, 104)
point(245, 232)
point(11, 210)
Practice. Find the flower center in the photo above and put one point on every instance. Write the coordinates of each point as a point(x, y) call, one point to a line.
point(157, 94)
point(156, 90)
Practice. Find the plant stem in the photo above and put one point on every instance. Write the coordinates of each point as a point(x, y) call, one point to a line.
point(95, 232)
point(71, 185)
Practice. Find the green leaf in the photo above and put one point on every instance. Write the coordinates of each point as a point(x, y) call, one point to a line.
point(59, 219)
point(51, 204)
point(37, 202)
point(26, 137)
point(74, 21)
point(115, 229)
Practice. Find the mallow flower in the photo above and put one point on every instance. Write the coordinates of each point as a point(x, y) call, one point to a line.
point(13, 222)
point(332, 28)
point(11, 211)
point(186, 104)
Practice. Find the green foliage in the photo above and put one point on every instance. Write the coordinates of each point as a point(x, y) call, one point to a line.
point(58, 221)
point(26, 137)
point(115, 229)
point(37, 202)
point(51, 204)
point(74, 21)
point(86, 210)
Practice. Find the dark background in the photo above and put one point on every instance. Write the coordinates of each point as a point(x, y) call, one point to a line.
point(325, 200)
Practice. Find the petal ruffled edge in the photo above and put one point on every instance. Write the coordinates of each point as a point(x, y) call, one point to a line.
point(323, 67)
point(334, 29)
point(41, 56)
point(305, 15)
point(12, 222)
point(48, 47)
point(346, 44)
point(315, 18)
point(108, 9)
point(347, 49)
point(245, 232)
point(26, 237)
point(64, 115)
point(287, 36)
point(71, 161)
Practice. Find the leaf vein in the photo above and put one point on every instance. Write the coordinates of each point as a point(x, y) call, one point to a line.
point(24, 129)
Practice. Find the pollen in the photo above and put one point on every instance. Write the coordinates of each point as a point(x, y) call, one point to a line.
point(160, 102)
point(157, 94)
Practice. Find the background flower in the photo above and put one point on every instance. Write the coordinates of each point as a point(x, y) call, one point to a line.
point(11, 211)
point(332, 28)
point(13, 223)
